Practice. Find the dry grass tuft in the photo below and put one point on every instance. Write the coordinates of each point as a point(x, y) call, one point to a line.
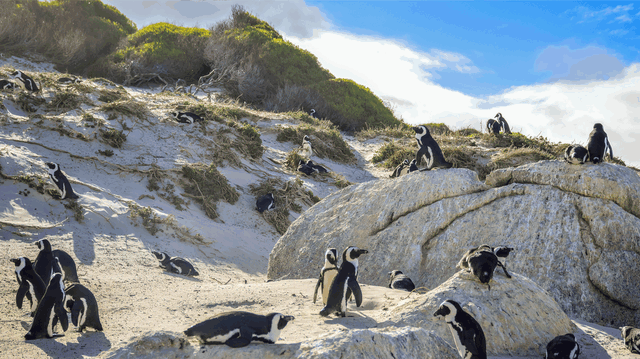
point(112, 137)
point(326, 143)
point(150, 219)
point(126, 108)
point(76, 208)
point(207, 186)
point(391, 154)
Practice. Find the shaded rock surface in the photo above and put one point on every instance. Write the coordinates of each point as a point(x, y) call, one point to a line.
point(517, 316)
point(151, 345)
point(574, 229)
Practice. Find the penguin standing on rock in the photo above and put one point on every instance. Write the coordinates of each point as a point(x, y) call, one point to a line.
point(344, 284)
point(61, 181)
point(307, 150)
point(467, 332)
point(398, 171)
point(631, 337)
point(327, 274)
point(175, 264)
point(563, 347)
point(82, 304)
point(502, 253)
point(576, 155)
point(186, 117)
point(237, 328)
point(50, 311)
point(27, 81)
point(31, 285)
point(429, 148)
point(265, 203)
point(598, 144)
point(397, 280)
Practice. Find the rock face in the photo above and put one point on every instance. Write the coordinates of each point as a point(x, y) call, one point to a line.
point(575, 230)
point(516, 315)
point(153, 345)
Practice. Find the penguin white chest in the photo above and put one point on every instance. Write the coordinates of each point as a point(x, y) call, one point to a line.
point(456, 338)
point(343, 302)
point(329, 276)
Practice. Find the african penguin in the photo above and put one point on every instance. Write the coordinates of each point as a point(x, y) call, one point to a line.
point(563, 347)
point(50, 311)
point(82, 304)
point(412, 166)
point(31, 285)
point(175, 264)
point(60, 180)
point(327, 274)
point(503, 123)
point(302, 167)
point(481, 262)
point(429, 148)
point(502, 253)
point(598, 144)
point(467, 332)
point(493, 126)
point(398, 170)
point(27, 81)
point(576, 155)
point(45, 261)
point(69, 80)
point(312, 113)
point(397, 280)
point(237, 328)
point(344, 284)
point(7, 85)
point(316, 168)
point(631, 337)
point(266, 202)
point(186, 117)
point(307, 151)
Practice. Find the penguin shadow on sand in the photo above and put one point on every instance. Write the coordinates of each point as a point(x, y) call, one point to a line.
point(89, 344)
point(181, 276)
point(357, 319)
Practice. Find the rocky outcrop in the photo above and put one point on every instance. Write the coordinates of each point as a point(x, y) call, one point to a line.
point(516, 315)
point(153, 345)
point(575, 229)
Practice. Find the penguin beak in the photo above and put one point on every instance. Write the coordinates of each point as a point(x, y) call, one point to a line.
point(415, 129)
point(361, 252)
point(288, 318)
point(17, 261)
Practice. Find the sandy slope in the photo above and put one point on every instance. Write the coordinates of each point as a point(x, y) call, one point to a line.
point(113, 252)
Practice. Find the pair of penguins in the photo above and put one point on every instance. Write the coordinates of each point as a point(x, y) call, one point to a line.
point(494, 125)
point(597, 147)
point(471, 342)
point(42, 284)
point(26, 81)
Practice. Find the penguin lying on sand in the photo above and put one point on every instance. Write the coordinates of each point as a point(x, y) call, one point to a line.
point(31, 285)
point(428, 147)
point(344, 284)
point(399, 170)
point(82, 304)
point(27, 81)
point(576, 155)
point(237, 328)
point(327, 274)
point(316, 168)
point(563, 347)
point(7, 85)
point(302, 167)
point(631, 337)
point(598, 144)
point(265, 203)
point(467, 332)
point(175, 264)
point(481, 262)
point(60, 180)
point(186, 117)
point(397, 280)
point(50, 311)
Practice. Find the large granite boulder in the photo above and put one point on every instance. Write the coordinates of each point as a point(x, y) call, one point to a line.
point(151, 345)
point(516, 315)
point(575, 229)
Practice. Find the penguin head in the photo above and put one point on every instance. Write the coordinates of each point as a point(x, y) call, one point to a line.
point(502, 251)
point(160, 255)
point(312, 112)
point(420, 130)
point(352, 253)
point(331, 255)
point(282, 320)
point(305, 138)
point(309, 163)
point(21, 262)
point(43, 245)
point(448, 310)
point(598, 126)
point(394, 273)
point(52, 166)
point(301, 163)
point(498, 115)
point(405, 162)
point(175, 114)
point(17, 74)
point(624, 331)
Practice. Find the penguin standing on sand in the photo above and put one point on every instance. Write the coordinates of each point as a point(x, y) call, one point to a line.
point(563, 347)
point(46, 259)
point(31, 285)
point(307, 150)
point(344, 284)
point(50, 311)
point(186, 117)
point(598, 144)
point(428, 147)
point(398, 171)
point(82, 304)
point(327, 274)
point(576, 155)
point(631, 337)
point(467, 332)
point(175, 264)
point(27, 81)
point(237, 328)
point(265, 203)
point(60, 180)
point(503, 123)
point(397, 280)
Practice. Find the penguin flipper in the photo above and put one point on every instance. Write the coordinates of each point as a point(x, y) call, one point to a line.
point(22, 291)
point(75, 312)
point(606, 140)
point(355, 289)
point(61, 314)
point(315, 291)
point(242, 339)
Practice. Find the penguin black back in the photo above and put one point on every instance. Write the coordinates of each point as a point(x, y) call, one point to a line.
point(302, 167)
point(344, 284)
point(27, 81)
point(266, 202)
point(576, 154)
point(428, 148)
point(44, 261)
point(397, 280)
point(598, 144)
point(82, 304)
point(316, 168)
point(467, 332)
point(563, 347)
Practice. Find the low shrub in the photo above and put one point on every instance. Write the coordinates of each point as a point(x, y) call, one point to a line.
point(391, 154)
point(207, 186)
point(112, 137)
point(326, 143)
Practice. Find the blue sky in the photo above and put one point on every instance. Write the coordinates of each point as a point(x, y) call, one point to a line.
point(551, 68)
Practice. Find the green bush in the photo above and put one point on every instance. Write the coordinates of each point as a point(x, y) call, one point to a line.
point(391, 154)
point(355, 105)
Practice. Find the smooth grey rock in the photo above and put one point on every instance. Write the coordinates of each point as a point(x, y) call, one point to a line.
point(152, 345)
